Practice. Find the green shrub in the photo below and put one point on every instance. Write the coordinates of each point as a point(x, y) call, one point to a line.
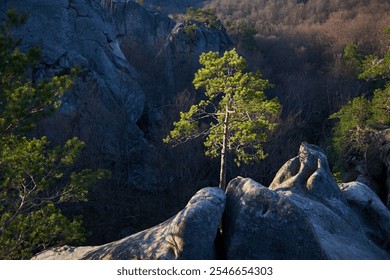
point(190, 33)
point(361, 116)
point(206, 16)
point(34, 176)
point(350, 131)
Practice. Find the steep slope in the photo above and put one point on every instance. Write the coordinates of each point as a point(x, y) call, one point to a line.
point(106, 101)
point(132, 64)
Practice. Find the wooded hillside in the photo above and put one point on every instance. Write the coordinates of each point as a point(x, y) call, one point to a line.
point(299, 46)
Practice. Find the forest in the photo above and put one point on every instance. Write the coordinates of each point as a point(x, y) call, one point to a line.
point(87, 158)
point(299, 46)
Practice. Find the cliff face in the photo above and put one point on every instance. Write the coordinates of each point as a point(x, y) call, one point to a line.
point(131, 61)
point(106, 101)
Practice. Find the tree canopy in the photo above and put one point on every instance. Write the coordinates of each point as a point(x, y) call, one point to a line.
point(362, 115)
point(235, 115)
point(35, 177)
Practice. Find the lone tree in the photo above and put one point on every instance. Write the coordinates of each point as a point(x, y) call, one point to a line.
point(235, 117)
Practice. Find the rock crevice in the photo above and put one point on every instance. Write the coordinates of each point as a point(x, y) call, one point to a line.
point(188, 235)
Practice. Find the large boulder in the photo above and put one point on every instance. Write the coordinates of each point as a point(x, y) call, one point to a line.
point(261, 224)
point(188, 235)
point(373, 215)
point(308, 174)
point(302, 215)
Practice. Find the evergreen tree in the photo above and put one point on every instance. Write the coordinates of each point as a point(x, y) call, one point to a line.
point(235, 117)
point(34, 177)
point(361, 116)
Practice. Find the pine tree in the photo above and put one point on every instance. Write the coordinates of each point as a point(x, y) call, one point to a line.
point(235, 117)
point(34, 177)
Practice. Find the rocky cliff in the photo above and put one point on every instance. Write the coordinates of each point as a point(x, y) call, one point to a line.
point(304, 214)
point(133, 63)
point(106, 101)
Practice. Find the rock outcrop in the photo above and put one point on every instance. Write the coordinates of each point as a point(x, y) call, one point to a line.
point(159, 46)
point(188, 235)
point(303, 215)
point(185, 43)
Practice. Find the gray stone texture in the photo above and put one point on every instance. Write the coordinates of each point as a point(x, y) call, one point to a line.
point(303, 215)
point(373, 215)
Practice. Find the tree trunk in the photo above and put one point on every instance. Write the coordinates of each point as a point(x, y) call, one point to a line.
point(222, 175)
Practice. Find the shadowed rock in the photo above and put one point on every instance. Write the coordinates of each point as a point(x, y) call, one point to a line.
point(116, 45)
point(188, 235)
point(308, 174)
point(261, 224)
point(372, 213)
point(377, 163)
point(106, 102)
point(372, 167)
point(303, 215)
